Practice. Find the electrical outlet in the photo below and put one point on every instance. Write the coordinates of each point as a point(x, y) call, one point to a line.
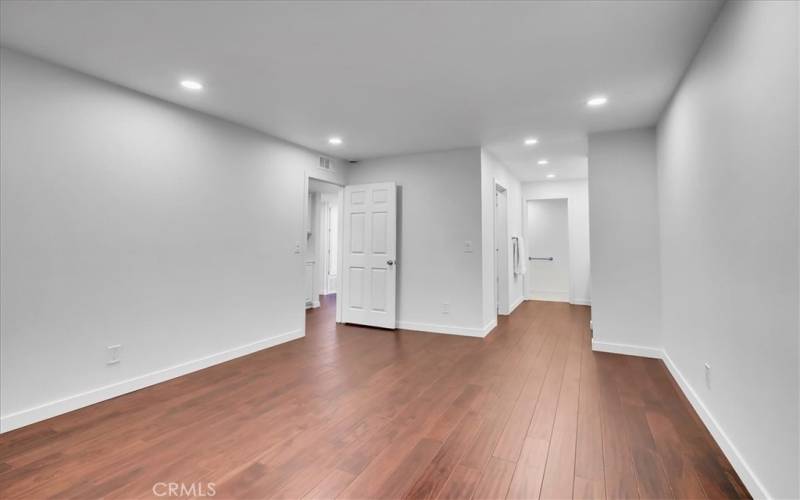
point(113, 354)
point(468, 246)
point(296, 247)
point(708, 374)
point(445, 308)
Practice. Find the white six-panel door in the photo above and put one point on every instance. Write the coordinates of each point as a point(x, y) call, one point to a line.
point(369, 255)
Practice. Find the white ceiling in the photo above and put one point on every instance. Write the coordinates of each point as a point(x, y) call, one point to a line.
point(388, 77)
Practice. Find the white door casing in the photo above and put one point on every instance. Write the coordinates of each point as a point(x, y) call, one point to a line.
point(309, 283)
point(331, 256)
point(501, 250)
point(369, 251)
point(329, 236)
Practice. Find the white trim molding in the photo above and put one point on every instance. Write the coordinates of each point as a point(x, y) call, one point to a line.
point(746, 474)
point(47, 410)
point(514, 305)
point(448, 329)
point(548, 296)
point(628, 349)
point(556, 297)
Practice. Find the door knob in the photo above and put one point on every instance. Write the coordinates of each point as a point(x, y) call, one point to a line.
point(390, 262)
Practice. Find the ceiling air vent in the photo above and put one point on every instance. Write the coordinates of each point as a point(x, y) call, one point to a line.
point(324, 163)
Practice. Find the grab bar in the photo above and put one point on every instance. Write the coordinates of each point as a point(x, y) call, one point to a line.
point(540, 258)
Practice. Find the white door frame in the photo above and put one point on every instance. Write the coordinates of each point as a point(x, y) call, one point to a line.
point(304, 240)
point(323, 250)
point(501, 245)
point(327, 243)
point(326, 246)
point(339, 261)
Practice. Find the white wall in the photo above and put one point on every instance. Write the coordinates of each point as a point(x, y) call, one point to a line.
point(439, 209)
point(624, 241)
point(577, 195)
point(728, 192)
point(494, 172)
point(128, 220)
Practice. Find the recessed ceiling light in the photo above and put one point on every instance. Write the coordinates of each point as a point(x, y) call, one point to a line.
point(551, 176)
point(543, 161)
point(335, 141)
point(191, 84)
point(530, 141)
point(597, 101)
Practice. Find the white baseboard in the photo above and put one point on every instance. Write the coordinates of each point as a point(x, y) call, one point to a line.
point(629, 349)
point(755, 487)
point(556, 297)
point(31, 415)
point(488, 327)
point(552, 298)
point(448, 329)
point(516, 304)
point(548, 296)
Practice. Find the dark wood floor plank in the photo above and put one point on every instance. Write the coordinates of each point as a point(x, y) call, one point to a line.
point(651, 473)
point(618, 467)
point(527, 480)
point(559, 474)
point(380, 455)
point(678, 467)
point(331, 485)
point(510, 442)
point(438, 471)
point(461, 483)
point(354, 412)
point(405, 474)
point(589, 466)
point(495, 480)
point(495, 414)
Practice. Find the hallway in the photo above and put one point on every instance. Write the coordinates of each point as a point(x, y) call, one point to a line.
point(353, 412)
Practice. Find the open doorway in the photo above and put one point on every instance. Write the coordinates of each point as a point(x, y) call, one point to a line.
point(547, 235)
point(329, 232)
point(322, 221)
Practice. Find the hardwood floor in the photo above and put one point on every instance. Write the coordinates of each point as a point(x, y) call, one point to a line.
point(353, 412)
